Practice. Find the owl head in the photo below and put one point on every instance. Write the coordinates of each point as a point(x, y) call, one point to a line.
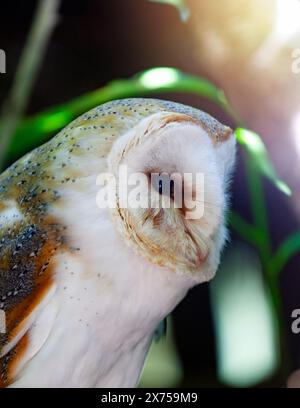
point(159, 171)
point(170, 173)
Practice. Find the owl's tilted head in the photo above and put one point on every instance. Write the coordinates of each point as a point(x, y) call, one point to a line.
point(162, 228)
point(174, 169)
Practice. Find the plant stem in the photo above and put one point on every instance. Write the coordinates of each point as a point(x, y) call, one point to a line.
point(32, 56)
point(258, 208)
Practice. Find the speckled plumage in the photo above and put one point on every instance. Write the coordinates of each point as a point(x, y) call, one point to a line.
point(36, 236)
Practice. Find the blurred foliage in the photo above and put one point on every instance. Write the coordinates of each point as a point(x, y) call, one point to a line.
point(35, 130)
point(259, 155)
point(44, 21)
point(247, 335)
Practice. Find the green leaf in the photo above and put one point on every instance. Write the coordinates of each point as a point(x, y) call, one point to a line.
point(286, 250)
point(245, 230)
point(258, 152)
point(37, 129)
point(181, 6)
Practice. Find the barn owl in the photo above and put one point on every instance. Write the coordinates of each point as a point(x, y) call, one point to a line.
point(83, 288)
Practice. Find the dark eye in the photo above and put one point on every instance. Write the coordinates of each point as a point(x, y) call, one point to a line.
point(166, 186)
point(161, 183)
point(160, 187)
point(172, 189)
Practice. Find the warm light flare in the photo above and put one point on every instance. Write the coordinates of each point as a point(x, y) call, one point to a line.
point(159, 77)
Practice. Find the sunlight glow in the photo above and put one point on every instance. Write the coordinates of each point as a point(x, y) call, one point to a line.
point(159, 77)
point(285, 32)
point(287, 18)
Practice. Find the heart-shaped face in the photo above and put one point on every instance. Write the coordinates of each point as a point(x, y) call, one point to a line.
point(173, 172)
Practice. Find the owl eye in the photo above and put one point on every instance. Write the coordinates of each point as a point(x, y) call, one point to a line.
point(160, 187)
point(163, 184)
point(172, 189)
point(168, 186)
